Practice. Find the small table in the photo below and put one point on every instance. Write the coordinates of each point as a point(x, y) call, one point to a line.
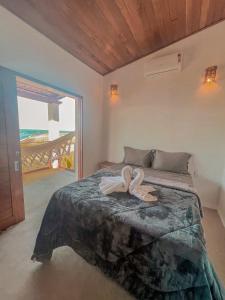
point(106, 164)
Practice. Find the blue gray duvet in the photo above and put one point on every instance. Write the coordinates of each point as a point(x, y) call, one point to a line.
point(154, 250)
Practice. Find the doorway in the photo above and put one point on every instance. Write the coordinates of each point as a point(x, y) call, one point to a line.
point(40, 144)
point(49, 140)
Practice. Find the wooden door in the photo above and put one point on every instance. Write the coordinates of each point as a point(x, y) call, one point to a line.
point(11, 189)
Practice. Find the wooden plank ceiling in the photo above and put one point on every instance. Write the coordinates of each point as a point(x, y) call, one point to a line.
point(108, 34)
point(35, 91)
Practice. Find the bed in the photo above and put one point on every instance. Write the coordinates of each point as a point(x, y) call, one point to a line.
point(154, 250)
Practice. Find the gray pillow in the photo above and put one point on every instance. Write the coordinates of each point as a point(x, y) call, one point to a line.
point(137, 157)
point(176, 162)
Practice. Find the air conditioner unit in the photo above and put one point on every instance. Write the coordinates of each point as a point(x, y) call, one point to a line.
point(163, 64)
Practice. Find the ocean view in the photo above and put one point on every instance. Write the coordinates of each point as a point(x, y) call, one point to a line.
point(25, 133)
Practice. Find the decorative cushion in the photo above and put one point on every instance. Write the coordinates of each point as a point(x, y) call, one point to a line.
point(176, 162)
point(137, 157)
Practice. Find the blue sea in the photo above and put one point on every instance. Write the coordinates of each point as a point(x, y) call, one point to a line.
point(26, 133)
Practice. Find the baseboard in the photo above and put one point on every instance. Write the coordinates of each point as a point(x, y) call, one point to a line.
point(209, 205)
point(221, 217)
point(218, 211)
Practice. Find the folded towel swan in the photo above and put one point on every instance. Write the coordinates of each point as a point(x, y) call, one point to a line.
point(141, 191)
point(124, 183)
point(121, 183)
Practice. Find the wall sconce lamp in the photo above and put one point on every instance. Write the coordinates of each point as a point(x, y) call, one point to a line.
point(114, 90)
point(210, 74)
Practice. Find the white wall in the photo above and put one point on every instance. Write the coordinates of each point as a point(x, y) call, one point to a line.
point(25, 50)
point(174, 111)
point(32, 114)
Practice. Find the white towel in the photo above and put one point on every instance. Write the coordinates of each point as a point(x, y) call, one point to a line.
point(121, 183)
point(141, 191)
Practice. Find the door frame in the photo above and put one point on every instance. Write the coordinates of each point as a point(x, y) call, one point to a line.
point(8, 79)
point(9, 96)
point(78, 121)
point(79, 136)
point(79, 113)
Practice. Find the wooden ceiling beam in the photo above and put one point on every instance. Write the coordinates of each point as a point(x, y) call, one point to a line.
point(35, 91)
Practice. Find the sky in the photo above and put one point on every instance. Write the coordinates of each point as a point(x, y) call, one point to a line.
point(34, 114)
